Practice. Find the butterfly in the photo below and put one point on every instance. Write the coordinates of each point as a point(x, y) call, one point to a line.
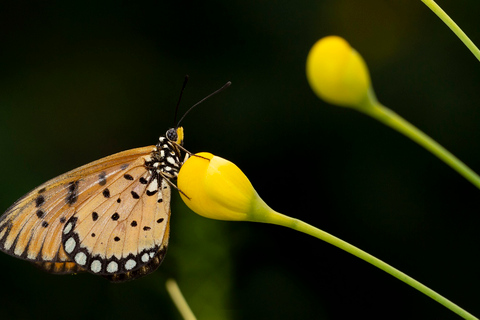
point(110, 217)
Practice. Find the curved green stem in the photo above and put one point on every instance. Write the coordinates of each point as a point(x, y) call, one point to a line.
point(453, 26)
point(282, 220)
point(393, 120)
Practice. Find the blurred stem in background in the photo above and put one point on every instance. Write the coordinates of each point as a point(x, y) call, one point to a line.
point(453, 26)
point(179, 300)
point(393, 120)
point(339, 75)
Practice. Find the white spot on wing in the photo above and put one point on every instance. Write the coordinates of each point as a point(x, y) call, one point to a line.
point(96, 266)
point(112, 267)
point(67, 228)
point(80, 258)
point(130, 264)
point(70, 245)
point(153, 186)
point(145, 257)
point(164, 184)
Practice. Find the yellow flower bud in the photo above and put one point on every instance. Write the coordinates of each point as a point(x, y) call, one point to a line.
point(216, 188)
point(337, 73)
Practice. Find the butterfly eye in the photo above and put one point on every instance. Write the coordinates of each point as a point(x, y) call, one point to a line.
point(172, 134)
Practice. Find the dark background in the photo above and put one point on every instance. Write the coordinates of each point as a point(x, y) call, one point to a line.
point(80, 80)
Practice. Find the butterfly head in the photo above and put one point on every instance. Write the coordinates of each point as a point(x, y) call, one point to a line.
point(175, 135)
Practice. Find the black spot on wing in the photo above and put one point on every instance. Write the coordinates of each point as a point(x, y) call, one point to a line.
point(127, 176)
point(94, 216)
point(135, 195)
point(106, 193)
point(115, 216)
point(40, 213)
point(143, 180)
point(39, 201)
point(72, 195)
point(102, 178)
point(151, 193)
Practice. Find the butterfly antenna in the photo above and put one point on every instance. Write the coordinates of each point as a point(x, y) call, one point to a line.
point(225, 86)
point(180, 98)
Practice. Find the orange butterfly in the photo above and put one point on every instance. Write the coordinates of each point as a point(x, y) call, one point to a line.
point(110, 217)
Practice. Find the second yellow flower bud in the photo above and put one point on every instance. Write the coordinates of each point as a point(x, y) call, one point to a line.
point(337, 73)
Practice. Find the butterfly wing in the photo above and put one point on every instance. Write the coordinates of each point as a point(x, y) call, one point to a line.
point(34, 226)
point(124, 228)
point(59, 267)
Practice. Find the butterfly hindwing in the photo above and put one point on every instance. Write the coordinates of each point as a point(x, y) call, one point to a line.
point(59, 267)
point(124, 227)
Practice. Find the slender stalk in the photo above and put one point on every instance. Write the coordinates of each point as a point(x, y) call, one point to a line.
point(179, 300)
point(453, 26)
point(393, 120)
point(280, 219)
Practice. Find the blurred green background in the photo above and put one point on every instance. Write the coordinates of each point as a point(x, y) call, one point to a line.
point(80, 80)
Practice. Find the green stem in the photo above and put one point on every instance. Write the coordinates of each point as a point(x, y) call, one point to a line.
point(282, 220)
point(393, 120)
point(453, 26)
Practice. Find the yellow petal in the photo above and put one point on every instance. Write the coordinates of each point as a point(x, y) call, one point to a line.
point(216, 188)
